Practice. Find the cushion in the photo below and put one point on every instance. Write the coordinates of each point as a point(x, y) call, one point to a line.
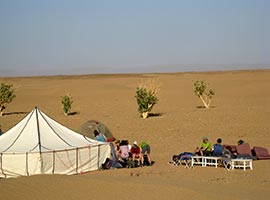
point(244, 149)
point(261, 153)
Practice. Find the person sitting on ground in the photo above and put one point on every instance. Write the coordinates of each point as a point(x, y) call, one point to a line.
point(117, 148)
point(99, 136)
point(124, 151)
point(145, 151)
point(135, 151)
point(218, 148)
point(204, 149)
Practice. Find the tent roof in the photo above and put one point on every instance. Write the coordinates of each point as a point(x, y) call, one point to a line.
point(87, 129)
point(39, 133)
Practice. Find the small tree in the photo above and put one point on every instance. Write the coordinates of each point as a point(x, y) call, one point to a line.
point(67, 103)
point(146, 95)
point(6, 96)
point(205, 94)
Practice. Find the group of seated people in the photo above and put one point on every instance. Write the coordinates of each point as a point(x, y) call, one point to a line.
point(126, 152)
point(207, 150)
point(218, 150)
point(135, 152)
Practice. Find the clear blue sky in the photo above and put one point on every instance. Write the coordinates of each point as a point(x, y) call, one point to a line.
point(40, 37)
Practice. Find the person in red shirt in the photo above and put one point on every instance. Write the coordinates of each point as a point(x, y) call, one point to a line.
point(135, 151)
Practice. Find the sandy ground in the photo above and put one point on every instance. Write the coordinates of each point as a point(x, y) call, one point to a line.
point(240, 110)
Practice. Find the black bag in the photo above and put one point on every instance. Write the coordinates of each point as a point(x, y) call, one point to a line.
point(108, 164)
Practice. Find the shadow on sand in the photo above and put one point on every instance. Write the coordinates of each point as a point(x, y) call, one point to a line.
point(15, 113)
point(155, 114)
point(74, 113)
point(202, 107)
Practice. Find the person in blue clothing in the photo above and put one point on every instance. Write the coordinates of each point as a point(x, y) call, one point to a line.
point(218, 148)
point(99, 136)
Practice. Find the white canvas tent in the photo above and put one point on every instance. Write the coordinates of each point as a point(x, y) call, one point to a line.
point(40, 145)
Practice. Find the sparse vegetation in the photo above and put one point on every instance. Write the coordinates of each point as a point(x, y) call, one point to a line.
point(6, 96)
point(67, 103)
point(201, 90)
point(146, 96)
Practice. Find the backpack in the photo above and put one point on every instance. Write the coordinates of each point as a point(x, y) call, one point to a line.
point(107, 164)
point(227, 153)
point(132, 164)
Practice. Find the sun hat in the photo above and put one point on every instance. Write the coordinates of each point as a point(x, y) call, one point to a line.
point(135, 142)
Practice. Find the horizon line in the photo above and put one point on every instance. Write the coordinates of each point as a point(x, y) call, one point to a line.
point(265, 68)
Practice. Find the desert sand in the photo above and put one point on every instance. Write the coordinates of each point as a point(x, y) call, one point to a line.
point(240, 110)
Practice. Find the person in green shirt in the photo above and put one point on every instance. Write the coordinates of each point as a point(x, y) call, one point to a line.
point(205, 148)
point(145, 150)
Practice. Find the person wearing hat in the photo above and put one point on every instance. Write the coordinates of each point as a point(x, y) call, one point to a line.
point(204, 149)
point(135, 151)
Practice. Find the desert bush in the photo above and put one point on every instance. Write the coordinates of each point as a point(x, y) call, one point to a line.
point(146, 96)
point(6, 96)
point(66, 103)
point(201, 90)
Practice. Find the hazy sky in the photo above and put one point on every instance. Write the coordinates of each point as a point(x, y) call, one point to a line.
point(39, 37)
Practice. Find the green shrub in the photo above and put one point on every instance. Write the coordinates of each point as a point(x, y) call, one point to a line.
point(205, 94)
point(6, 96)
point(146, 97)
point(67, 103)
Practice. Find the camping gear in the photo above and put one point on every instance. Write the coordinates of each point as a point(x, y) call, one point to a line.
point(231, 164)
point(108, 164)
point(261, 153)
point(183, 158)
point(87, 129)
point(40, 145)
point(231, 148)
point(132, 163)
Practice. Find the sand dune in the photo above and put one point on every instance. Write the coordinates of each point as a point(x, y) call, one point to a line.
point(240, 110)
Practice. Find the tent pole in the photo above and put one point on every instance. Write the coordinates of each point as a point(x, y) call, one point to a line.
point(27, 171)
point(53, 162)
point(77, 161)
point(98, 155)
point(1, 164)
point(89, 152)
point(39, 141)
